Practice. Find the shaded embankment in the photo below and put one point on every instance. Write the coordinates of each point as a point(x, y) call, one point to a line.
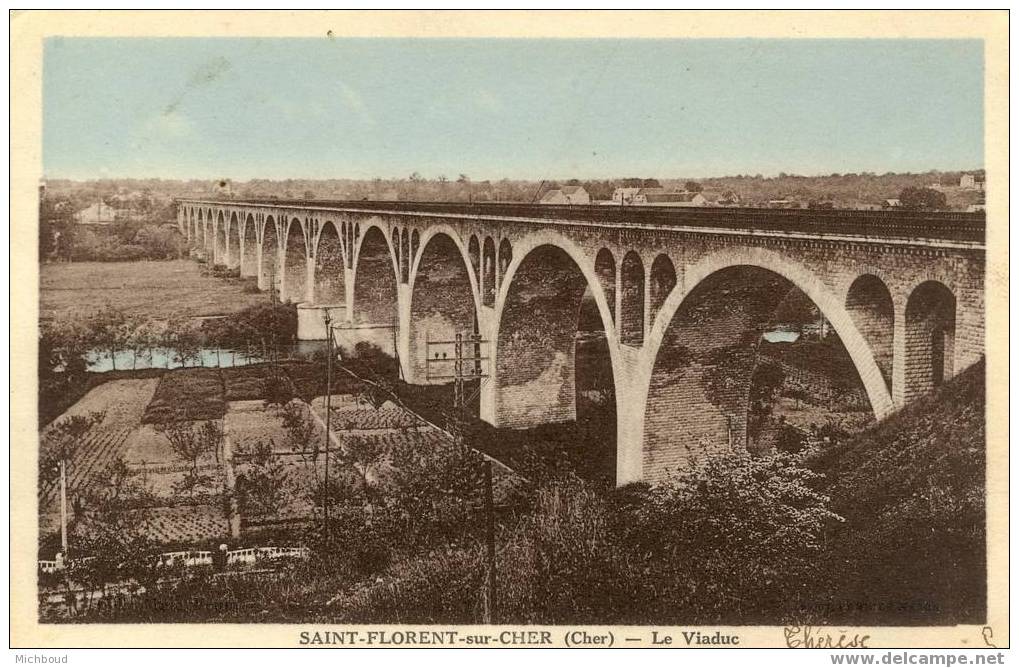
point(911, 490)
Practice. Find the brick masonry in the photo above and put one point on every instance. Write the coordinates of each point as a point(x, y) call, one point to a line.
point(531, 311)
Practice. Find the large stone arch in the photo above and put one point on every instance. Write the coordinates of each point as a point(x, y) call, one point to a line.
point(269, 260)
point(200, 242)
point(359, 232)
point(930, 322)
point(443, 303)
point(294, 263)
point(232, 253)
point(376, 279)
point(247, 246)
point(210, 236)
point(699, 357)
point(330, 280)
point(533, 339)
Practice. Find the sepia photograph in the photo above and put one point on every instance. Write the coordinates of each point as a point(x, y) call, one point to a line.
point(406, 339)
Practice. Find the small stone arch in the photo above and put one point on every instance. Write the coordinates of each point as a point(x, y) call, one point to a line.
point(930, 320)
point(663, 281)
point(488, 272)
point(406, 255)
point(869, 302)
point(505, 257)
point(474, 251)
point(631, 317)
point(605, 268)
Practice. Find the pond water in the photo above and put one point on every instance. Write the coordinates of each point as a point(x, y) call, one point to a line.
point(781, 336)
point(99, 361)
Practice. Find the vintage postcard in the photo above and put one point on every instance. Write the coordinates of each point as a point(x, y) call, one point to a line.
point(519, 329)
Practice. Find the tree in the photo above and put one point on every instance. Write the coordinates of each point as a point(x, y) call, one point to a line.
point(693, 187)
point(916, 198)
point(263, 487)
point(111, 329)
point(190, 443)
point(182, 338)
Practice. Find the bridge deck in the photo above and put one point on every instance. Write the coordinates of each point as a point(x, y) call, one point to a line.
point(949, 226)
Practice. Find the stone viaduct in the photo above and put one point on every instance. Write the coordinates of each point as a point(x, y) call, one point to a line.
point(682, 296)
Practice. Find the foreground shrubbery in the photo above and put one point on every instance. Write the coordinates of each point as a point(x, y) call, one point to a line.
point(884, 528)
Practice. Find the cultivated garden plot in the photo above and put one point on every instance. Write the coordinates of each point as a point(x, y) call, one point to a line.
point(185, 525)
point(121, 403)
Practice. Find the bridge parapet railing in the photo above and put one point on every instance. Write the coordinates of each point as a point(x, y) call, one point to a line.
point(197, 558)
point(945, 225)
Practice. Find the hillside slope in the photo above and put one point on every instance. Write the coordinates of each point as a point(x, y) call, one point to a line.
point(911, 489)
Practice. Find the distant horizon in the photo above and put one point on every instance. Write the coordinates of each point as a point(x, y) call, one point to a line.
point(247, 108)
point(522, 178)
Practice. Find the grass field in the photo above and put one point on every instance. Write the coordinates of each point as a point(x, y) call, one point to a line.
point(153, 289)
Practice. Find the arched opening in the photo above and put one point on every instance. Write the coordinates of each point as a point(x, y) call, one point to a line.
point(474, 253)
point(345, 229)
point(375, 284)
point(295, 265)
point(248, 247)
point(746, 362)
point(200, 233)
point(930, 338)
point(329, 286)
point(870, 304)
point(505, 256)
point(488, 275)
point(195, 234)
point(553, 363)
point(219, 252)
point(442, 305)
point(405, 255)
point(210, 237)
point(394, 239)
point(269, 273)
point(663, 281)
point(232, 255)
point(631, 321)
point(415, 245)
point(605, 267)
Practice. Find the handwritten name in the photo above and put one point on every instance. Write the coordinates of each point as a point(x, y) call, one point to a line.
point(809, 637)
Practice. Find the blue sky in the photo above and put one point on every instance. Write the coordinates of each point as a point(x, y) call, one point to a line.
point(359, 108)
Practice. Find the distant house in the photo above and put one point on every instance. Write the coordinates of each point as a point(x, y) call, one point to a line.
point(728, 198)
point(567, 195)
point(893, 203)
point(679, 198)
point(99, 213)
point(784, 204)
point(972, 181)
point(624, 195)
point(974, 208)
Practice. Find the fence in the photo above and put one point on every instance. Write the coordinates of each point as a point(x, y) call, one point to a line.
point(195, 558)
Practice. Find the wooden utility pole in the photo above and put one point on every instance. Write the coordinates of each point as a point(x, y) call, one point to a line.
point(467, 365)
point(63, 507)
point(328, 431)
point(490, 601)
